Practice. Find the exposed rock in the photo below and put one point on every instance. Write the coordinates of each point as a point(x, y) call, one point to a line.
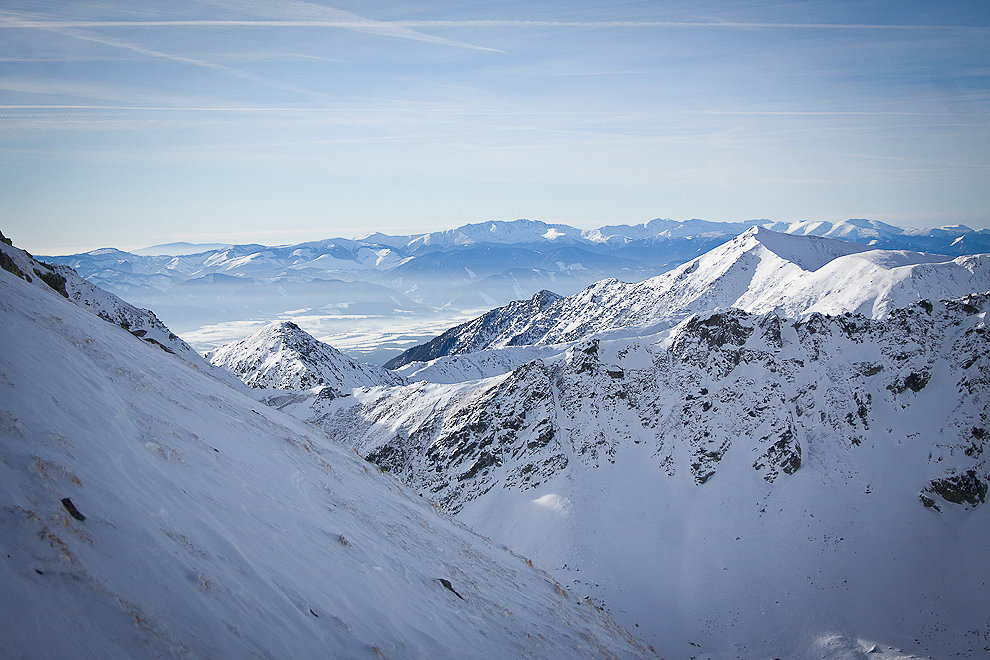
point(966, 488)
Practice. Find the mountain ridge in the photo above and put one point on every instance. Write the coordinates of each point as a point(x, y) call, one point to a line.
point(440, 274)
point(760, 270)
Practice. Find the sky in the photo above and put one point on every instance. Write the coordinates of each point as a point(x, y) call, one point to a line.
point(136, 123)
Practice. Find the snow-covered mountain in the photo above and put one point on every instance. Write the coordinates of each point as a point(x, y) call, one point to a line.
point(758, 271)
point(282, 355)
point(355, 284)
point(788, 433)
point(149, 509)
point(742, 485)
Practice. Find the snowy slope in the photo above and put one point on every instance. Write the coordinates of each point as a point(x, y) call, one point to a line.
point(473, 366)
point(739, 486)
point(282, 355)
point(147, 510)
point(758, 271)
point(141, 323)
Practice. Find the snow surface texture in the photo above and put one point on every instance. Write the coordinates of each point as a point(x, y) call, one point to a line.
point(744, 485)
point(758, 271)
point(283, 356)
point(150, 510)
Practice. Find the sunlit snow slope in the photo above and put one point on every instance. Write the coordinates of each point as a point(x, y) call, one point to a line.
point(148, 509)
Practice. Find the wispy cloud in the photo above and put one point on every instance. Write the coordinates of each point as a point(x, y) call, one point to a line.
point(404, 28)
point(742, 25)
point(287, 13)
point(830, 113)
point(149, 52)
point(308, 13)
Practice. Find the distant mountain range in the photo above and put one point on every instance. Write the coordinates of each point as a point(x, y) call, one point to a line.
point(339, 286)
point(759, 271)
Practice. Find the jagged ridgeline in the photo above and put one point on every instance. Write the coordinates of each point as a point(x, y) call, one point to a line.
point(776, 385)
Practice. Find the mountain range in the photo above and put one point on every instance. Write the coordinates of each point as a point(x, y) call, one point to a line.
point(758, 271)
point(381, 294)
point(774, 450)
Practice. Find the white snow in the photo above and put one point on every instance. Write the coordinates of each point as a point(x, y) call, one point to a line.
point(554, 502)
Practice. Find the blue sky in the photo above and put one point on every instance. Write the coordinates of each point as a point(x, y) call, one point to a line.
point(135, 123)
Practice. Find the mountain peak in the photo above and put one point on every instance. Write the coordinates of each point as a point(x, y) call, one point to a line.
point(808, 252)
point(286, 329)
point(281, 355)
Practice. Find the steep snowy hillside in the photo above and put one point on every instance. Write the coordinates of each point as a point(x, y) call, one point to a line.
point(147, 510)
point(282, 355)
point(758, 271)
point(141, 323)
point(742, 485)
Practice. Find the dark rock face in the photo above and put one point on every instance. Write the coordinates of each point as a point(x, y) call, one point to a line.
point(966, 488)
point(53, 279)
point(43, 271)
point(914, 381)
point(717, 330)
point(8, 265)
point(784, 455)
